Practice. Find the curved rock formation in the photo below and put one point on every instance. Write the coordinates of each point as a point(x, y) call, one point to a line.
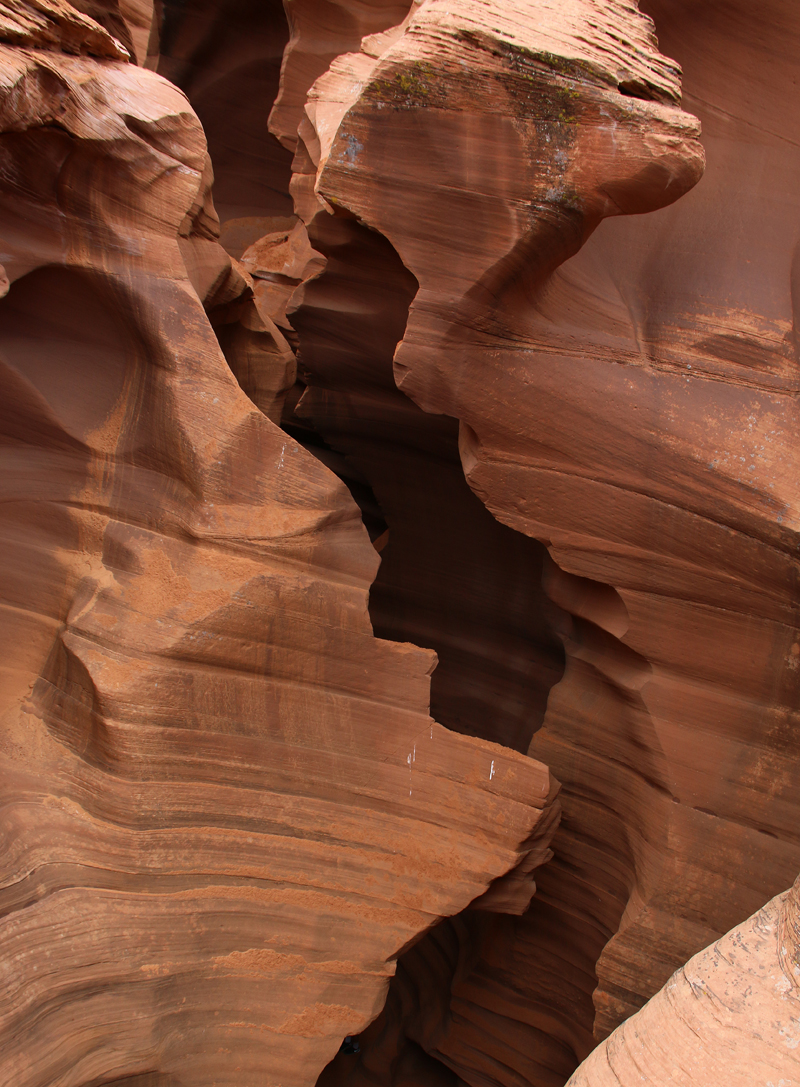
point(731, 1015)
point(625, 421)
point(226, 808)
point(229, 813)
point(319, 33)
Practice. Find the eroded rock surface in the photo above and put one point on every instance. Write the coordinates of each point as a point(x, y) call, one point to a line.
point(605, 411)
point(731, 1015)
point(229, 809)
point(226, 807)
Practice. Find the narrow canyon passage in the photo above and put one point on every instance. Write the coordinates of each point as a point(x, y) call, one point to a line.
point(452, 578)
point(496, 608)
point(398, 421)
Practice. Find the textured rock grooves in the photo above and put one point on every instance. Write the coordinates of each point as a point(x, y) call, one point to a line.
point(228, 811)
point(225, 806)
point(596, 419)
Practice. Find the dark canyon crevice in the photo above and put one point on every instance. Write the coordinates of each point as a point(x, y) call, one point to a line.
point(400, 643)
point(546, 376)
point(221, 56)
point(452, 577)
point(468, 585)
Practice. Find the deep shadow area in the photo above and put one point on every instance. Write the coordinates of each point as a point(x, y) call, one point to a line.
point(363, 495)
point(455, 580)
point(226, 57)
point(452, 579)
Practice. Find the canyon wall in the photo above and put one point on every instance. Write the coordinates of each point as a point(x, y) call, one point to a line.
point(226, 807)
point(396, 427)
point(729, 1016)
point(636, 422)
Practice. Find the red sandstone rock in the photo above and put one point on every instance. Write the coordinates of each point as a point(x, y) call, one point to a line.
point(608, 411)
point(731, 1015)
point(138, 18)
point(227, 60)
point(629, 405)
point(320, 32)
point(226, 806)
point(71, 28)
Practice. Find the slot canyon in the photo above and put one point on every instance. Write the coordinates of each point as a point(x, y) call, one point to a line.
point(400, 544)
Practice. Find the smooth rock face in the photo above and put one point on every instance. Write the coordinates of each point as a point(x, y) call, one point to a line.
point(234, 832)
point(227, 808)
point(643, 428)
point(731, 1015)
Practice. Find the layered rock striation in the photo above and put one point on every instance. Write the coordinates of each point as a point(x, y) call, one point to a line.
point(615, 410)
point(235, 830)
point(226, 807)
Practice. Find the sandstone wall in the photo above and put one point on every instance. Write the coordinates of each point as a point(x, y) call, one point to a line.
point(395, 426)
